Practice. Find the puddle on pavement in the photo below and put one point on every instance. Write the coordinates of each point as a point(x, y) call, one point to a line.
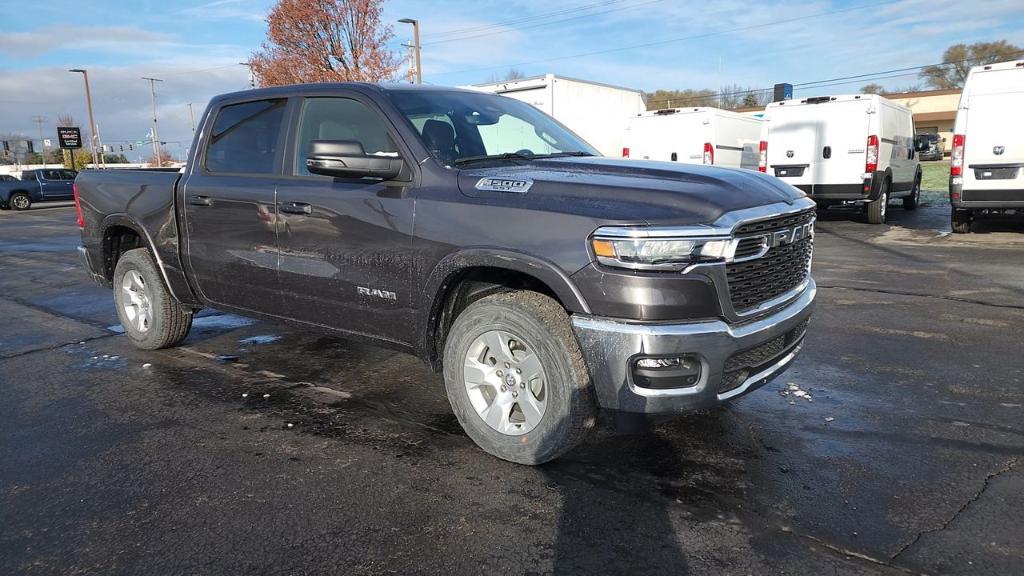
point(259, 340)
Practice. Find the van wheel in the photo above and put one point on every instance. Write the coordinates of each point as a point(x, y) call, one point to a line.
point(516, 379)
point(20, 201)
point(877, 209)
point(151, 318)
point(911, 202)
point(961, 221)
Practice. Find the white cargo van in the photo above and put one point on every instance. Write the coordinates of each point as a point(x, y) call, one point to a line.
point(986, 163)
point(844, 149)
point(694, 136)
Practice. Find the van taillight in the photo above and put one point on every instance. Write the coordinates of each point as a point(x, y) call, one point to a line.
point(956, 156)
point(709, 153)
point(762, 162)
point(625, 151)
point(871, 162)
point(78, 207)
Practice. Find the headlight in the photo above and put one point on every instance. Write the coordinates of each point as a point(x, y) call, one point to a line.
point(660, 253)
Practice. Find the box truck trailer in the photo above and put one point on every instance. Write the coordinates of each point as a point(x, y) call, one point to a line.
point(596, 112)
point(701, 135)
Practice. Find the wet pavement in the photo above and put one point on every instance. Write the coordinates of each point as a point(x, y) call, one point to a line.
point(894, 444)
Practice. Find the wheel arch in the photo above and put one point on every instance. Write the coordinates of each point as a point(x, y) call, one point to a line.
point(120, 233)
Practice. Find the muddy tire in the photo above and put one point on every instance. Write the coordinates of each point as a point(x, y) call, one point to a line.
point(151, 317)
point(876, 210)
point(20, 201)
point(961, 221)
point(516, 378)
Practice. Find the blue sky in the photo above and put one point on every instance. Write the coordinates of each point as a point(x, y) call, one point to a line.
point(195, 46)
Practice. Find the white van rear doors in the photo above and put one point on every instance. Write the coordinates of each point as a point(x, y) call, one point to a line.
point(994, 144)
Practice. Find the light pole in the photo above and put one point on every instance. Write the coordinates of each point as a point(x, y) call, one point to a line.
point(252, 79)
point(191, 118)
point(92, 122)
point(416, 41)
point(156, 135)
point(42, 143)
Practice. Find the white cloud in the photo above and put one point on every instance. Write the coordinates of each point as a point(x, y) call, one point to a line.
point(102, 38)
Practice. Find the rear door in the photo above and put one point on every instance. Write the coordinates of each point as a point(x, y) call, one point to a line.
point(229, 207)
point(842, 140)
point(346, 243)
point(994, 146)
point(793, 144)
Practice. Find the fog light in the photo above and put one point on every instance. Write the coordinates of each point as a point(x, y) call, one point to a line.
point(666, 372)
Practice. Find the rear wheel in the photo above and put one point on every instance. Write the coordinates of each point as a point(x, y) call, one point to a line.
point(961, 221)
point(877, 209)
point(20, 201)
point(911, 202)
point(516, 378)
point(151, 318)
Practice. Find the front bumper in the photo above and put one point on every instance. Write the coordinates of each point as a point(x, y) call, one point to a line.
point(611, 348)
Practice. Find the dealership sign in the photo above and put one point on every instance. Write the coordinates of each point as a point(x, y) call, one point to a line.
point(70, 137)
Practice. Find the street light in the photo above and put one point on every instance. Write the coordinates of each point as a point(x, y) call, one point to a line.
point(416, 41)
point(92, 123)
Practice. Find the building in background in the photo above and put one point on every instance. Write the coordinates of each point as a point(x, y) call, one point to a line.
point(597, 112)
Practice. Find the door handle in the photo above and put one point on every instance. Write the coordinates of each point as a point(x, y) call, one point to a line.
point(197, 200)
point(296, 208)
point(826, 152)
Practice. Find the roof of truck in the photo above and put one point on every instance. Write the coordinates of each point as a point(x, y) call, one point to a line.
point(319, 87)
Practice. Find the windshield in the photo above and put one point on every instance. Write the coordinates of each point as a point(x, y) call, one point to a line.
point(462, 127)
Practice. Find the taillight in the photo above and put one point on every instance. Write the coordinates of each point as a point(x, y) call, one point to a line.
point(956, 156)
point(871, 161)
point(78, 207)
point(709, 153)
point(625, 151)
point(762, 162)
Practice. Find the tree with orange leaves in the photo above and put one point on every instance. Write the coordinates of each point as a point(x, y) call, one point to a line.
point(324, 41)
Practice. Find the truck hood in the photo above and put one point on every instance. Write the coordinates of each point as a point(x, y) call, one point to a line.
point(626, 191)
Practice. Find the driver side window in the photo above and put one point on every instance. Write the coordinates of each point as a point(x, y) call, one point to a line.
point(340, 119)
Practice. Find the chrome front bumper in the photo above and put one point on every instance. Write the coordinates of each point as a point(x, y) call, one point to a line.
point(611, 347)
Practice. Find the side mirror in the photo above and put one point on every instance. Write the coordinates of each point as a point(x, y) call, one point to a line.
point(347, 159)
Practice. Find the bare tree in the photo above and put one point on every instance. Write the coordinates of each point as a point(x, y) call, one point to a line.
point(872, 88)
point(165, 159)
point(509, 76)
point(324, 41)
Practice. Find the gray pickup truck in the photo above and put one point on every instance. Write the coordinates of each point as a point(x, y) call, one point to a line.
point(39, 185)
point(544, 281)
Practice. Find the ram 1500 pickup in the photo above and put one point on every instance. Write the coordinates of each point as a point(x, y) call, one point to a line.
point(544, 281)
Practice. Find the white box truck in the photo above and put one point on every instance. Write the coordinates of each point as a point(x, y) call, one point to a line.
point(844, 149)
point(986, 166)
point(695, 136)
point(597, 112)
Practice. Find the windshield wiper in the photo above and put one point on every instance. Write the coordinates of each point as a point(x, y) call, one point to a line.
point(561, 154)
point(504, 156)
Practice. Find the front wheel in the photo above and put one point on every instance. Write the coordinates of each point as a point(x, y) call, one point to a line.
point(516, 379)
point(20, 201)
point(150, 316)
point(877, 209)
point(914, 200)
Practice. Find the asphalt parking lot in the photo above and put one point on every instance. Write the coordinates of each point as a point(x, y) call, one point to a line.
point(257, 448)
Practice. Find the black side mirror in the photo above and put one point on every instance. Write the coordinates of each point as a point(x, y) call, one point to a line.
point(347, 159)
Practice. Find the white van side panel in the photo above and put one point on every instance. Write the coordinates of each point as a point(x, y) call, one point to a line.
point(736, 141)
point(681, 137)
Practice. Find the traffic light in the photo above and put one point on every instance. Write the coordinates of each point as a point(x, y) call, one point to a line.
point(31, 148)
point(7, 147)
point(130, 148)
point(122, 147)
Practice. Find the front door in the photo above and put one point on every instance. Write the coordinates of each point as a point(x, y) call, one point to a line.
point(229, 208)
point(345, 244)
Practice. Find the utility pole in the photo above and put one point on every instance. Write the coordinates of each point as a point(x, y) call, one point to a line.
point(416, 42)
point(410, 55)
point(191, 118)
point(92, 122)
point(156, 135)
point(42, 143)
point(252, 79)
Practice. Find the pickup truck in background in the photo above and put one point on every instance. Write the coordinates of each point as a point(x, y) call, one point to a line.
point(39, 185)
point(544, 281)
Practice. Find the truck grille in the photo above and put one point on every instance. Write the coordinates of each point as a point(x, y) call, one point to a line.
point(781, 269)
point(742, 365)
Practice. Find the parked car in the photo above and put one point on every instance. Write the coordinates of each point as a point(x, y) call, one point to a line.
point(695, 136)
point(543, 280)
point(42, 184)
point(986, 166)
point(930, 146)
point(856, 149)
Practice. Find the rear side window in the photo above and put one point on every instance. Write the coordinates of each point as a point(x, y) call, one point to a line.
point(341, 119)
point(53, 174)
point(245, 137)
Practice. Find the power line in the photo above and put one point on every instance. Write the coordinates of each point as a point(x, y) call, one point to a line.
point(673, 40)
point(507, 29)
